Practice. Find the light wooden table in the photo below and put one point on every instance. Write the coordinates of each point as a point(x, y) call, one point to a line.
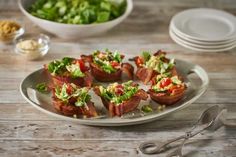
point(25, 131)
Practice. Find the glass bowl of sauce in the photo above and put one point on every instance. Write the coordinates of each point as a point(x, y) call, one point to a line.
point(32, 48)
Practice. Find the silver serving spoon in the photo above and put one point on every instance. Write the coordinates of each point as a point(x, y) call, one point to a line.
point(214, 124)
point(152, 147)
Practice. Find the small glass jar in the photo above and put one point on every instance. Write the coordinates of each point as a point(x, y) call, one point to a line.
point(9, 38)
point(33, 53)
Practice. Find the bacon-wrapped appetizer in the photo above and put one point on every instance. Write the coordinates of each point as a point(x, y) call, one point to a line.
point(108, 66)
point(69, 70)
point(167, 90)
point(148, 66)
point(121, 98)
point(71, 100)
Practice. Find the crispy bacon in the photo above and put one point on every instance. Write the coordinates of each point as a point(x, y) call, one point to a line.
point(139, 61)
point(100, 75)
point(85, 81)
point(142, 94)
point(144, 74)
point(128, 69)
point(159, 52)
point(70, 110)
point(87, 58)
point(163, 98)
point(126, 106)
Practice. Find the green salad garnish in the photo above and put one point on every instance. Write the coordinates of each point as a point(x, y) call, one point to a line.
point(107, 60)
point(146, 55)
point(78, 11)
point(165, 83)
point(68, 91)
point(157, 62)
point(117, 93)
point(65, 67)
point(42, 87)
point(146, 108)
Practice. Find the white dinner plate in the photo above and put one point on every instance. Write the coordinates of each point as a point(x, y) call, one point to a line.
point(43, 102)
point(222, 46)
point(210, 43)
point(189, 46)
point(205, 24)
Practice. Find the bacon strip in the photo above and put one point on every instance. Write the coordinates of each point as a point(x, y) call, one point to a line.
point(163, 98)
point(87, 58)
point(100, 75)
point(159, 52)
point(70, 110)
point(126, 106)
point(85, 81)
point(144, 74)
point(128, 69)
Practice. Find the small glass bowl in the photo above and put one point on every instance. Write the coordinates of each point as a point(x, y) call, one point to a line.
point(33, 54)
point(9, 38)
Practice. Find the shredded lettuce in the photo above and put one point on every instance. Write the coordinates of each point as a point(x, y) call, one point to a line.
point(104, 62)
point(157, 88)
point(75, 71)
point(156, 63)
point(58, 67)
point(110, 95)
point(42, 87)
point(146, 108)
point(81, 94)
point(146, 55)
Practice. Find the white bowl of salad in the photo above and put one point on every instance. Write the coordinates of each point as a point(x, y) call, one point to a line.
point(78, 18)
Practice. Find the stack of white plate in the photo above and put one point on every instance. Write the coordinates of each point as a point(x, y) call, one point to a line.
point(206, 30)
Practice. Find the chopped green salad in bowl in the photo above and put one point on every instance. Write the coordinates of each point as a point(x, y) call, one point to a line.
point(76, 18)
point(78, 11)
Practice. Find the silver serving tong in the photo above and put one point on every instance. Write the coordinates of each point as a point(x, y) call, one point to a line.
point(213, 124)
point(211, 119)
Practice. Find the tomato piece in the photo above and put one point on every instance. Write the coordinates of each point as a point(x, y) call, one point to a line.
point(69, 89)
point(114, 63)
point(165, 82)
point(119, 90)
point(81, 64)
point(139, 61)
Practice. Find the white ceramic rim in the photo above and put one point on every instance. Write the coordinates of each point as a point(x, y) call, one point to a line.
point(222, 46)
point(198, 49)
point(179, 16)
point(206, 43)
